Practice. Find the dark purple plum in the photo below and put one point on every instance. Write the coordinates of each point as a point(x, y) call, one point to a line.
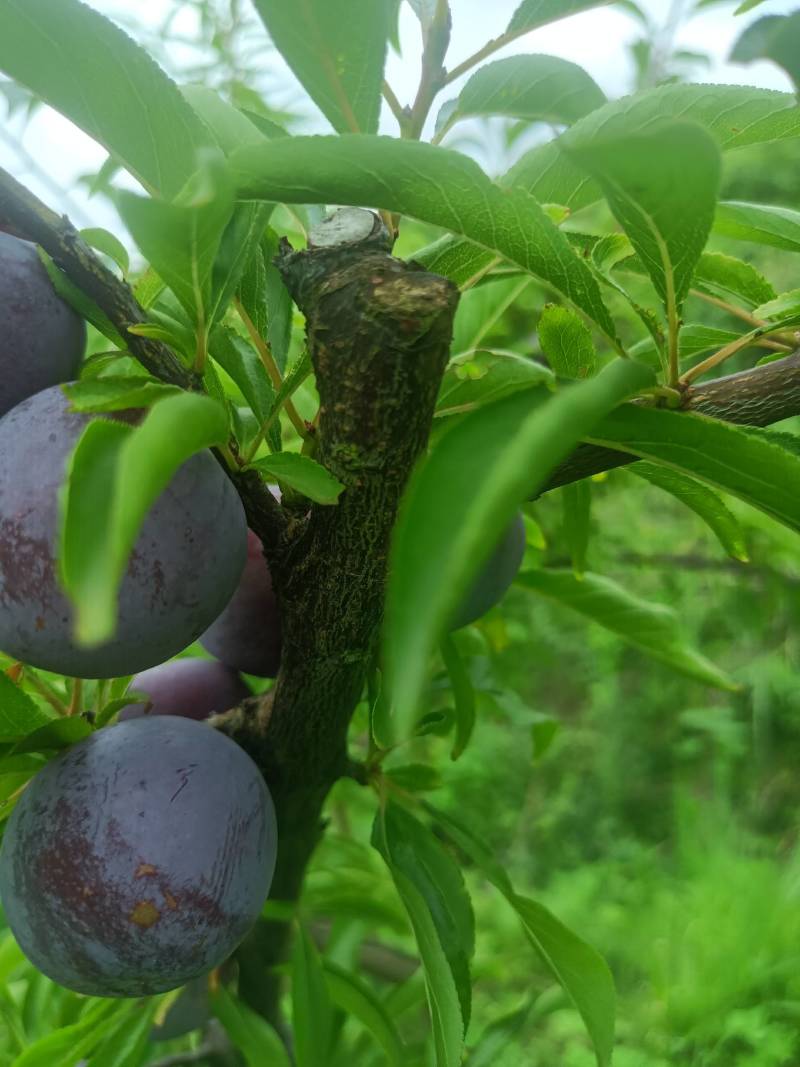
point(497, 574)
point(184, 568)
point(41, 338)
point(194, 688)
point(247, 635)
point(138, 859)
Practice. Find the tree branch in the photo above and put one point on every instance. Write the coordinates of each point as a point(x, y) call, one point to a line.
point(756, 397)
point(378, 333)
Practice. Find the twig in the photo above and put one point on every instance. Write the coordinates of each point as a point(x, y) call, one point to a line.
point(396, 108)
point(272, 369)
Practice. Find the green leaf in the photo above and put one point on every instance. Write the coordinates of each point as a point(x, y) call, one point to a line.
point(694, 339)
point(55, 735)
point(77, 299)
point(775, 37)
point(496, 1038)
point(536, 88)
point(786, 305)
point(64, 1047)
point(278, 304)
point(579, 969)
point(662, 187)
point(116, 394)
point(128, 1044)
point(702, 501)
point(312, 1013)
point(463, 695)
point(408, 847)
point(115, 475)
point(89, 70)
point(534, 13)
point(481, 310)
point(302, 474)
point(355, 997)
point(109, 245)
point(461, 500)
point(251, 1034)
point(652, 628)
point(19, 715)
point(763, 224)
point(228, 126)
point(577, 501)
point(725, 276)
point(747, 5)
point(576, 966)
point(181, 239)
point(415, 777)
point(738, 461)
point(476, 378)
point(433, 894)
point(240, 360)
point(734, 115)
point(566, 342)
point(337, 49)
point(433, 184)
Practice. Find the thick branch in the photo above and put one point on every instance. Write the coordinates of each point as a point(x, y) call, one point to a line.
point(756, 397)
point(379, 334)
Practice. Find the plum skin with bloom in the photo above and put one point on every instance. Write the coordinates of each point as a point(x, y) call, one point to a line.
point(138, 859)
point(183, 570)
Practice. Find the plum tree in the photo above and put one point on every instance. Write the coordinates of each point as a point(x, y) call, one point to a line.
point(183, 570)
point(194, 688)
point(138, 859)
point(41, 338)
point(497, 574)
point(247, 635)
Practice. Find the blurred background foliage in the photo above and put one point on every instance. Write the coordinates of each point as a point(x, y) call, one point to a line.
point(655, 817)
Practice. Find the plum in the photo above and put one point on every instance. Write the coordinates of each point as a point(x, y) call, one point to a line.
point(195, 688)
point(41, 338)
point(247, 635)
point(497, 574)
point(138, 859)
point(184, 568)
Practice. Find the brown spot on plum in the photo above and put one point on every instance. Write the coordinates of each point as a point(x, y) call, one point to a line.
point(145, 914)
point(145, 869)
point(170, 901)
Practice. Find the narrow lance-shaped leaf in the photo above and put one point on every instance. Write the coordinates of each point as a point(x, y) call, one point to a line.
point(764, 224)
point(734, 115)
point(726, 276)
point(303, 474)
point(463, 695)
point(351, 994)
point(19, 715)
point(566, 342)
point(530, 87)
point(251, 1034)
point(775, 37)
point(652, 628)
point(662, 187)
point(575, 965)
point(577, 503)
point(460, 501)
point(534, 13)
point(429, 183)
point(115, 475)
point(702, 501)
point(88, 69)
point(181, 239)
point(312, 1012)
point(745, 463)
point(336, 48)
point(433, 893)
